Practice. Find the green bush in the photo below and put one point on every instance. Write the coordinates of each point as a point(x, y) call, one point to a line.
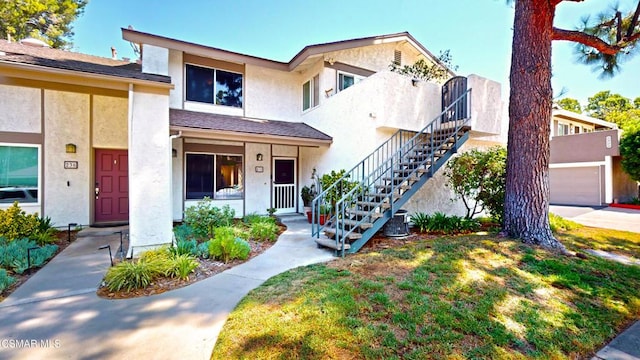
point(17, 224)
point(558, 223)
point(13, 254)
point(204, 217)
point(182, 266)
point(185, 247)
point(184, 232)
point(161, 253)
point(630, 152)
point(5, 280)
point(264, 231)
point(202, 250)
point(137, 274)
point(440, 222)
point(226, 247)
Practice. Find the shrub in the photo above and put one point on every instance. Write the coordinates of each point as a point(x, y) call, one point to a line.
point(558, 223)
point(264, 231)
point(5, 280)
point(204, 217)
point(13, 255)
point(202, 250)
point(129, 275)
point(182, 266)
point(184, 232)
point(16, 224)
point(478, 178)
point(630, 151)
point(185, 247)
point(226, 247)
point(161, 253)
point(440, 222)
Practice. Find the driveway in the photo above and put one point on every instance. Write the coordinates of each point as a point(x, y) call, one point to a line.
point(607, 218)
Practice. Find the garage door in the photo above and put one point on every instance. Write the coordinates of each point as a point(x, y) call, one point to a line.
point(576, 186)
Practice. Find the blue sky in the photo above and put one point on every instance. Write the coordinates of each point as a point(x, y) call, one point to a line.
point(477, 32)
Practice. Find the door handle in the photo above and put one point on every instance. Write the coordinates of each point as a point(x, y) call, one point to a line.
point(97, 190)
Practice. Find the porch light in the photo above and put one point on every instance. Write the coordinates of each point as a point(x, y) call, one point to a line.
point(414, 82)
point(259, 157)
point(70, 148)
point(174, 153)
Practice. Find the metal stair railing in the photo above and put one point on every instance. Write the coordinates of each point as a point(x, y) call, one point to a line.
point(379, 167)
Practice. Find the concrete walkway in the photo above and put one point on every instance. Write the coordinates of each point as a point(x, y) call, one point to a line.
point(625, 346)
point(57, 314)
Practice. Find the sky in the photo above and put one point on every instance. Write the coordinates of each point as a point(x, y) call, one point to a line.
point(478, 33)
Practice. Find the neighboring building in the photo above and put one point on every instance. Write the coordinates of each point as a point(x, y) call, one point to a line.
point(243, 130)
point(585, 161)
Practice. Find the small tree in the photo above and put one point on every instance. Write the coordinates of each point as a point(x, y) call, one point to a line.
point(438, 70)
point(478, 179)
point(630, 151)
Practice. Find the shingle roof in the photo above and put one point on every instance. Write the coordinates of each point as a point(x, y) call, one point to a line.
point(68, 60)
point(198, 120)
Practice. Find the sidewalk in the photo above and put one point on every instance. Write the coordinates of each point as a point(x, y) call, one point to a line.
point(59, 315)
point(625, 346)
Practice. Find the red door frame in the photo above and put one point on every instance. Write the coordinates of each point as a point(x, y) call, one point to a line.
point(111, 186)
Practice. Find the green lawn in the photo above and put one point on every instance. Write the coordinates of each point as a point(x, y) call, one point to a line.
point(451, 297)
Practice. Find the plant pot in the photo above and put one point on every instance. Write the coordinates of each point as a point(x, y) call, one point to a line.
point(322, 219)
point(309, 214)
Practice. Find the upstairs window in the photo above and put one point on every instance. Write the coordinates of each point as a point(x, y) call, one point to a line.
point(563, 129)
point(213, 86)
point(311, 93)
point(346, 80)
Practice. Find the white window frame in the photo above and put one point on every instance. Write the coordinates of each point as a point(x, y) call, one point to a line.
point(563, 125)
point(356, 79)
point(214, 174)
point(314, 95)
point(215, 77)
point(39, 186)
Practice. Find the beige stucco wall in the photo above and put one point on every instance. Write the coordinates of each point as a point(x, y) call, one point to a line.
point(150, 213)
point(176, 72)
point(20, 109)
point(177, 180)
point(487, 107)
point(375, 57)
point(66, 191)
point(109, 122)
point(257, 190)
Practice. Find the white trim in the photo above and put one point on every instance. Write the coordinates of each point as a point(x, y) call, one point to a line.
point(577, 164)
point(608, 179)
point(39, 201)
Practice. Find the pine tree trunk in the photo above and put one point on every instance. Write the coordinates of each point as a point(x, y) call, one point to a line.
point(527, 186)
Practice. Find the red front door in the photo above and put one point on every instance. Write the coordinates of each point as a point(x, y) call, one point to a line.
point(112, 186)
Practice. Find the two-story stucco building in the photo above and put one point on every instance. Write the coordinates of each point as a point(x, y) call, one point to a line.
point(112, 142)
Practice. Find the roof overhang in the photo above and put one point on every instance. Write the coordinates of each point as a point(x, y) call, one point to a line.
point(570, 115)
point(248, 137)
point(45, 73)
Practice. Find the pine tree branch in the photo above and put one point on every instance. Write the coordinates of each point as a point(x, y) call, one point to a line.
point(634, 21)
point(586, 39)
point(556, 2)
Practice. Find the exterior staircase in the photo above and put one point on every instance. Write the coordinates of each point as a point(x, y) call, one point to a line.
point(370, 194)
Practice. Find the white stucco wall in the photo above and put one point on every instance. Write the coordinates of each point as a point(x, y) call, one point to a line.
point(150, 213)
point(176, 72)
point(155, 59)
point(487, 107)
point(257, 190)
point(272, 94)
point(20, 109)
point(375, 57)
point(109, 122)
point(66, 191)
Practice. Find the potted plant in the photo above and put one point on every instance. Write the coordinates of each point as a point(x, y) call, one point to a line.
point(308, 193)
point(325, 213)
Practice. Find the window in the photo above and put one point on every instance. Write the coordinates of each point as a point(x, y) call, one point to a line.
point(563, 129)
point(213, 86)
point(19, 177)
point(346, 80)
point(576, 129)
point(215, 176)
point(311, 93)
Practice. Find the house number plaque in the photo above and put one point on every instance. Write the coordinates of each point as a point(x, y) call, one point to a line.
point(70, 164)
